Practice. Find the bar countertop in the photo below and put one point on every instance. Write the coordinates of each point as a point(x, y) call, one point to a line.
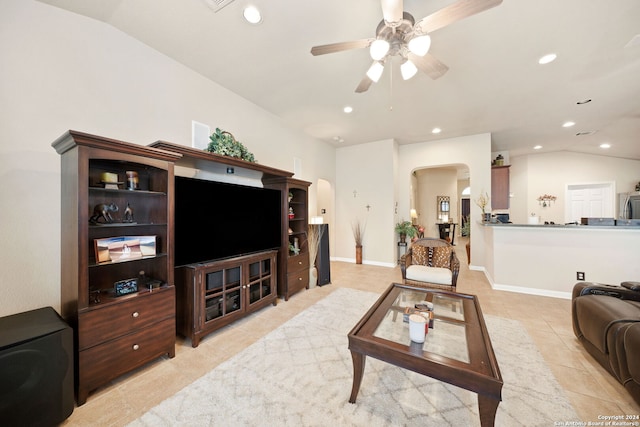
point(563, 226)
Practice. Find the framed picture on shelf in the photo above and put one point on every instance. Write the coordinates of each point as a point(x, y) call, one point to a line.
point(124, 248)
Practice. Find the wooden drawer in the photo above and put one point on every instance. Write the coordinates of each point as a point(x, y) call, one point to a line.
point(297, 281)
point(100, 364)
point(104, 324)
point(297, 263)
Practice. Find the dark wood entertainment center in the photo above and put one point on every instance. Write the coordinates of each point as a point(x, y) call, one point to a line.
point(115, 334)
point(293, 269)
point(124, 308)
point(205, 304)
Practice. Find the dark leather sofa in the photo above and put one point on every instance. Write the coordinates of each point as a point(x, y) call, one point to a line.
point(606, 319)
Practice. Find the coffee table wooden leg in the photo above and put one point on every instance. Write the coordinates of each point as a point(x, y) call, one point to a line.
point(488, 408)
point(358, 372)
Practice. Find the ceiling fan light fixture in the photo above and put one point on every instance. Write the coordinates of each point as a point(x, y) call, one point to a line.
point(375, 71)
point(378, 49)
point(420, 45)
point(408, 69)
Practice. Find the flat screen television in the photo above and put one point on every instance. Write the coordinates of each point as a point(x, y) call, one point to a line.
point(216, 220)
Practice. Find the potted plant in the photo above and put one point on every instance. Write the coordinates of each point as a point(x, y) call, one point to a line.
point(466, 231)
point(223, 143)
point(404, 229)
point(294, 250)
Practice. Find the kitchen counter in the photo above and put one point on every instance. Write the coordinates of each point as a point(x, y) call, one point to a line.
point(571, 226)
point(545, 259)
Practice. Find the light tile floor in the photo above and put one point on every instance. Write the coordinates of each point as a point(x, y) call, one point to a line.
point(591, 390)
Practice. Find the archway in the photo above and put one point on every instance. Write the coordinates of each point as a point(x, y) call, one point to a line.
point(431, 183)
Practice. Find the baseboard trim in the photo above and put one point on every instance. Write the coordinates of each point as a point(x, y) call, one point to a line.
point(375, 263)
point(521, 289)
point(532, 291)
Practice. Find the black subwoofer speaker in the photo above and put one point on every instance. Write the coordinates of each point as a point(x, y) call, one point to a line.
point(323, 262)
point(36, 369)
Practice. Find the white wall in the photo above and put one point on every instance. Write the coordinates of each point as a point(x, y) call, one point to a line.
point(550, 173)
point(63, 71)
point(382, 175)
point(367, 170)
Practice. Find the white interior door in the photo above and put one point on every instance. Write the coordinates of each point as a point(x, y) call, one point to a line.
point(590, 201)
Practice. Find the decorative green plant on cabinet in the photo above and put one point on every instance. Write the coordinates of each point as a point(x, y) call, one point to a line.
point(223, 143)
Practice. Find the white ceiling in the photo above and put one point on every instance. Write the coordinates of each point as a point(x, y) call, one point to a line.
point(494, 83)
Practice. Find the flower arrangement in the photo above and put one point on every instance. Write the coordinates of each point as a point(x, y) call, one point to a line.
point(482, 201)
point(546, 199)
point(223, 143)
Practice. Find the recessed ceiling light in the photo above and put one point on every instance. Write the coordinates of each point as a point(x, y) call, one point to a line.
point(436, 130)
point(347, 109)
point(605, 145)
point(252, 15)
point(584, 101)
point(550, 57)
point(338, 139)
point(537, 147)
point(568, 124)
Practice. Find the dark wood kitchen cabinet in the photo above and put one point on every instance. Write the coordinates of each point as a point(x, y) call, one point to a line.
point(499, 187)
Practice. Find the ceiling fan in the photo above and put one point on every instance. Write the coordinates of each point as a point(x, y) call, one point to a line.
point(398, 34)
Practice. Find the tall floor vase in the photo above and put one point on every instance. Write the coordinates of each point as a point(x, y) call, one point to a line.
point(313, 277)
point(358, 254)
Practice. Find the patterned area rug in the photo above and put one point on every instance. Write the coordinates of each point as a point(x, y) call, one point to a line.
point(300, 375)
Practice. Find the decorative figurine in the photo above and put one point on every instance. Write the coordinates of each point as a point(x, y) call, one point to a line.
point(103, 211)
point(128, 214)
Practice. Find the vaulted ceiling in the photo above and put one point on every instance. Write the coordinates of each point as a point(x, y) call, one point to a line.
point(494, 83)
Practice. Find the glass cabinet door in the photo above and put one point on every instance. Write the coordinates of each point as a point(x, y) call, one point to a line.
point(260, 280)
point(222, 292)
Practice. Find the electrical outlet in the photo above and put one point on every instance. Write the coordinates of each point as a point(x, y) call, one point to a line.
point(580, 275)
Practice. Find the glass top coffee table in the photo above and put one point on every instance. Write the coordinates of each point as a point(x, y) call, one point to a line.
point(457, 350)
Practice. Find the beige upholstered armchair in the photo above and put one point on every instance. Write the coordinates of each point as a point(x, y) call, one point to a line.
point(430, 263)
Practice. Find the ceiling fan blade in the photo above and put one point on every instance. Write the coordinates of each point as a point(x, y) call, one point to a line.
point(453, 13)
point(339, 47)
point(364, 85)
point(429, 64)
point(392, 10)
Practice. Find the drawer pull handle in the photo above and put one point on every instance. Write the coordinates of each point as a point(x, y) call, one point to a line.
point(299, 279)
point(135, 347)
point(135, 314)
point(299, 262)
